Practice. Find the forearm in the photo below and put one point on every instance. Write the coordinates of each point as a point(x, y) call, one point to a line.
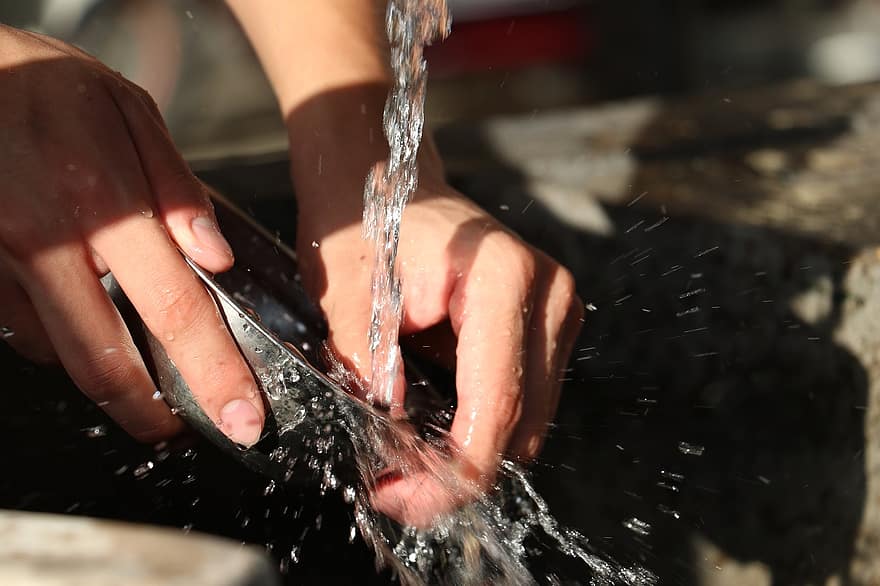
point(327, 61)
point(309, 47)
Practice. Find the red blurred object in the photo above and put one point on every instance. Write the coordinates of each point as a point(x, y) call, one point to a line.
point(514, 42)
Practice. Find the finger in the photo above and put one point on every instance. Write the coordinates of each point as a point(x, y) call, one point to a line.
point(426, 485)
point(20, 325)
point(491, 332)
point(92, 342)
point(489, 375)
point(346, 304)
point(178, 310)
point(348, 322)
point(552, 331)
point(183, 201)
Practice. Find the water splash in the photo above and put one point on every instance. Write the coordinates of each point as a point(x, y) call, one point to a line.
point(482, 537)
point(487, 536)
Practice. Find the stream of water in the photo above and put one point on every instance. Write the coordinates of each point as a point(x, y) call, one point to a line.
point(410, 24)
point(489, 538)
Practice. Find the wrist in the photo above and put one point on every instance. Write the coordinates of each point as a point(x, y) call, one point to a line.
point(335, 140)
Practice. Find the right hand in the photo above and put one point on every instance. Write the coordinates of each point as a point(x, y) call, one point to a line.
point(92, 182)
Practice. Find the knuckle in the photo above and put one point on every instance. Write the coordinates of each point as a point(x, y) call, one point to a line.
point(566, 288)
point(576, 310)
point(109, 374)
point(518, 262)
point(508, 411)
point(145, 98)
point(179, 180)
point(131, 93)
point(178, 310)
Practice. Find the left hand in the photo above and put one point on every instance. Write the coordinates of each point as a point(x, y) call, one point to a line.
point(509, 311)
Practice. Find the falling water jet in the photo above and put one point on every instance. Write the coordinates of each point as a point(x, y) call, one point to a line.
point(484, 539)
point(410, 25)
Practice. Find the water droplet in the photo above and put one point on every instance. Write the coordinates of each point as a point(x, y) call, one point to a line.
point(169, 337)
point(668, 486)
point(352, 533)
point(675, 476)
point(147, 213)
point(294, 554)
point(348, 494)
point(315, 244)
point(690, 449)
point(638, 526)
point(6, 332)
point(158, 395)
point(590, 307)
point(96, 431)
point(143, 469)
point(270, 488)
point(667, 511)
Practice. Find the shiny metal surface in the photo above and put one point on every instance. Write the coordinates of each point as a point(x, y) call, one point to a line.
point(302, 404)
point(279, 333)
point(302, 401)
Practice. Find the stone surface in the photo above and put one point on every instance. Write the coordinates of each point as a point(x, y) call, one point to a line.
point(53, 550)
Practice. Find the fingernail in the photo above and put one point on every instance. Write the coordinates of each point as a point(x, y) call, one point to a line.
point(241, 422)
point(209, 236)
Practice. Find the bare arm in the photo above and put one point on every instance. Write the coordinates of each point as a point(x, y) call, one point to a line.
point(509, 311)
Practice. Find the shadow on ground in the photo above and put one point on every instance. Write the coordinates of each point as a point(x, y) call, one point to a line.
point(708, 398)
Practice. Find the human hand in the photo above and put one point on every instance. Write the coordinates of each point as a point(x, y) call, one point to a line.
point(508, 312)
point(93, 183)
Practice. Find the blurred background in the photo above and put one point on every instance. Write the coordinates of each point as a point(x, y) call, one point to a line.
point(708, 169)
point(505, 55)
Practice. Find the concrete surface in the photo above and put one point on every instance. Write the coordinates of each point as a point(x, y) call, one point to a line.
point(54, 550)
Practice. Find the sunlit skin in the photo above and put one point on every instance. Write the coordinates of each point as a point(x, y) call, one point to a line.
point(507, 313)
point(93, 182)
